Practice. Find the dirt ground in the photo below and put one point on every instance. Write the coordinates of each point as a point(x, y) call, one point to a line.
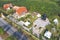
point(4, 36)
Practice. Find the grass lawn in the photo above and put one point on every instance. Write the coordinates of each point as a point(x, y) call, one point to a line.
point(1, 31)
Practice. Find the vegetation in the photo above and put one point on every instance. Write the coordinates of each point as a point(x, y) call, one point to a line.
point(11, 11)
point(1, 31)
point(28, 18)
point(50, 7)
point(11, 38)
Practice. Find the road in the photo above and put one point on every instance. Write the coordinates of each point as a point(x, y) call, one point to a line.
point(11, 30)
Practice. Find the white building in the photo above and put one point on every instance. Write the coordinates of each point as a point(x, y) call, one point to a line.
point(2, 15)
point(8, 8)
point(39, 26)
point(19, 16)
point(27, 23)
point(41, 23)
point(22, 23)
point(48, 34)
point(55, 21)
point(38, 15)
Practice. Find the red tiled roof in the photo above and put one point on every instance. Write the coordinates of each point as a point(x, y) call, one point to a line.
point(20, 10)
point(5, 6)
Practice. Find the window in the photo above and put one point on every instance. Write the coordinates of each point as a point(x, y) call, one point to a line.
point(39, 27)
point(24, 25)
point(35, 25)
